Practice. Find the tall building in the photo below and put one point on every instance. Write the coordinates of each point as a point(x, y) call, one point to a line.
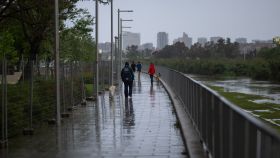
point(147, 46)
point(215, 39)
point(130, 39)
point(202, 41)
point(241, 40)
point(185, 39)
point(162, 40)
point(105, 47)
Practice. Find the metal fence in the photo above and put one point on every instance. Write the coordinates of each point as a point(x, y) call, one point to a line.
point(29, 105)
point(226, 130)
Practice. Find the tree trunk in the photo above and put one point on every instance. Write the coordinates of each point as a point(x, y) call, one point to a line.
point(32, 58)
point(38, 66)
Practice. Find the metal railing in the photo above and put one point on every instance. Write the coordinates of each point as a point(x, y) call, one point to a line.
point(225, 129)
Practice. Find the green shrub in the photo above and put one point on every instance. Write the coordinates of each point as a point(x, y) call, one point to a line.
point(88, 78)
point(258, 68)
point(89, 89)
point(44, 104)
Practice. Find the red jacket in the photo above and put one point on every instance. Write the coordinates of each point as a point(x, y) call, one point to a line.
point(152, 69)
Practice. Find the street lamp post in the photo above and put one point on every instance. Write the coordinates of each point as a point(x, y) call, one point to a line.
point(57, 65)
point(4, 138)
point(116, 59)
point(120, 42)
point(119, 35)
point(97, 51)
point(112, 40)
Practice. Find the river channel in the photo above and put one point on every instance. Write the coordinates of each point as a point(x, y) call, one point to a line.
point(266, 94)
point(267, 89)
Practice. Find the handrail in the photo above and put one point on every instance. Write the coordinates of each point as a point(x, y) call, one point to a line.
point(225, 129)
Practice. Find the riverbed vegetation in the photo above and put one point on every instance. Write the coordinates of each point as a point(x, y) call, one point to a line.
point(268, 112)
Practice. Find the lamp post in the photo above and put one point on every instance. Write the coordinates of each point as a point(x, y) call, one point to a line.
point(112, 40)
point(119, 35)
point(97, 51)
point(122, 35)
point(121, 38)
point(116, 53)
point(4, 127)
point(57, 65)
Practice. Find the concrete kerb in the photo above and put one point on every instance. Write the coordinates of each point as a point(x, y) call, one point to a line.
point(191, 139)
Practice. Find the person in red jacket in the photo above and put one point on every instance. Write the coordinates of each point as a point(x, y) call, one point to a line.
point(151, 72)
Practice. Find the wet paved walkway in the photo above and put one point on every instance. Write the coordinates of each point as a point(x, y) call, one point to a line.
point(143, 126)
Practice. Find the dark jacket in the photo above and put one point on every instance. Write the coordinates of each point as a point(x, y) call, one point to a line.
point(139, 67)
point(133, 67)
point(123, 74)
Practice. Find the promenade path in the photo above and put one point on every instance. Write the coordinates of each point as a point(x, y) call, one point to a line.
point(142, 127)
point(12, 79)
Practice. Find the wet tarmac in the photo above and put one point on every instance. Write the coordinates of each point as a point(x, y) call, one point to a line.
point(142, 126)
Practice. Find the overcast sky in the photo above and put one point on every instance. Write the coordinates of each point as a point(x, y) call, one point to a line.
point(253, 19)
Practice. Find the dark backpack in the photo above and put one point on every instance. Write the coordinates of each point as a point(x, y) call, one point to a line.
point(127, 74)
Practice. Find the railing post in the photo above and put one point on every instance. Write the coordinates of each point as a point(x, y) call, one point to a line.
point(197, 104)
point(214, 124)
point(204, 117)
point(200, 111)
point(221, 128)
point(258, 151)
point(230, 134)
point(275, 149)
point(247, 138)
point(187, 104)
point(208, 126)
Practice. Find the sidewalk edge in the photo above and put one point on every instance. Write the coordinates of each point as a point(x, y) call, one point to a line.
point(191, 139)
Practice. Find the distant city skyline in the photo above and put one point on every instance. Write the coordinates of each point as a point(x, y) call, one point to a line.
point(185, 39)
point(251, 19)
point(130, 38)
point(162, 40)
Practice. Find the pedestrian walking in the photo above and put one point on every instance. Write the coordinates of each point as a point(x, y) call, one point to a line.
point(139, 67)
point(133, 65)
point(151, 72)
point(127, 78)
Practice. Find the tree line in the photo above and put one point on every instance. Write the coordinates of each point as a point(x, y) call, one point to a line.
point(27, 31)
point(222, 49)
point(27, 39)
point(133, 53)
point(221, 58)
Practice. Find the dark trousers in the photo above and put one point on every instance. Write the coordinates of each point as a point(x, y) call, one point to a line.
point(152, 79)
point(128, 85)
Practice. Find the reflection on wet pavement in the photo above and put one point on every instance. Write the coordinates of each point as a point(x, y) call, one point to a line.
point(139, 127)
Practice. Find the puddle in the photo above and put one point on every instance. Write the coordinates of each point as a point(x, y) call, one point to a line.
point(262, 111)
point(262, 101)
point(265, 89)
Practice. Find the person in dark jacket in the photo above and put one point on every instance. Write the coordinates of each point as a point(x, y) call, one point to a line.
point(151, 72)
point(127, 76)
point(133, 65)
point(139, 67)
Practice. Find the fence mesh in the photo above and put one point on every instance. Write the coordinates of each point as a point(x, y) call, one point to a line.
point(33, 104)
